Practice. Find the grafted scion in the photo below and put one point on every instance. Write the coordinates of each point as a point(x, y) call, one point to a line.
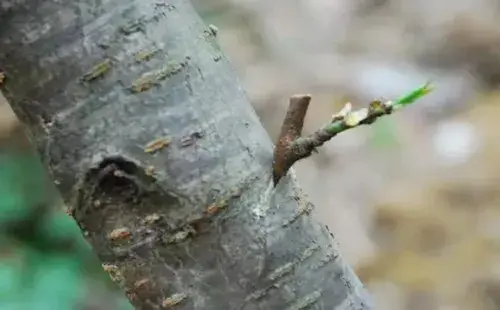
point(292, 147)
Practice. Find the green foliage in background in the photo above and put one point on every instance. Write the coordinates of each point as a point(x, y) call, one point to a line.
point(384, 134)
point(45, 263)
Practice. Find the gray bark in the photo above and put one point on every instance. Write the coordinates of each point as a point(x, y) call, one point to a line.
point(201, 225)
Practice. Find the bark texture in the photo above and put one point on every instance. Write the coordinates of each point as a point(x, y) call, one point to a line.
point(162, 160)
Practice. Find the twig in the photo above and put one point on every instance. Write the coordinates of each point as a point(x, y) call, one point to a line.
point(291, 146)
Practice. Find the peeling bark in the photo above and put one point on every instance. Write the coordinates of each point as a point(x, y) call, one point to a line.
point(193, 221)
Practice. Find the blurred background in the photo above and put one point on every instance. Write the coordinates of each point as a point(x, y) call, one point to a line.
point(414, 200)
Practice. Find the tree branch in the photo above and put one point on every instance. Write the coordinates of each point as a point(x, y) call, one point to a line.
point(292, 147)
point(291, 130)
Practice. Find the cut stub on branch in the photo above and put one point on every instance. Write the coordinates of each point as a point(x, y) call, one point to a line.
point(291, 130)
point(291, 146)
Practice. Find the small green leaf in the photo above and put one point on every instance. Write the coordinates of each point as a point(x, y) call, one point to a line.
point(414, 95)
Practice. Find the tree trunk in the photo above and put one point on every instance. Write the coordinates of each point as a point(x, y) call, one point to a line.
point(162, 160)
